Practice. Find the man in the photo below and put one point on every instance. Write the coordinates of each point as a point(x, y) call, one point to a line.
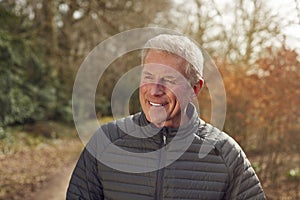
point(166, 151)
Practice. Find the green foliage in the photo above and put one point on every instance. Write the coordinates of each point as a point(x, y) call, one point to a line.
point(25, 78)
point(256, 166)
point(294, 174)
point(2, 133)
point(102, 105)
point(7, 142)
point(28, 136)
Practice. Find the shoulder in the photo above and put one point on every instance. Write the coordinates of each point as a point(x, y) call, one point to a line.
point(225, 145)
point(119, 127)
point(109, 133)
point(215, 136)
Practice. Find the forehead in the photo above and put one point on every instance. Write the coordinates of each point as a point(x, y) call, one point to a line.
point(163, 62)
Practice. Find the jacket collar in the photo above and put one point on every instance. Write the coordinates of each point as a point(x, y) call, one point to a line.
point(148, 129)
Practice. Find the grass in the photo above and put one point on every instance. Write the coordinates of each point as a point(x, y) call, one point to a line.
point(14, 139)
point(31, 154)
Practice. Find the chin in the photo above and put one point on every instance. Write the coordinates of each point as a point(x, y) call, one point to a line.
point(156, 121)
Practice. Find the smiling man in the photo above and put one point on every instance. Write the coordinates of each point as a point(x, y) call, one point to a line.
point(163, 82)
point(155, 154)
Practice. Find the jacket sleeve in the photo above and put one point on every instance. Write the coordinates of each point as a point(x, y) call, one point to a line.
point(84, 182)
point(244, 183)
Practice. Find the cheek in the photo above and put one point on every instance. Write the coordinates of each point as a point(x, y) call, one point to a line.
point(178, 91)
point(180, 94)
point(142, 89)
point(142, 92)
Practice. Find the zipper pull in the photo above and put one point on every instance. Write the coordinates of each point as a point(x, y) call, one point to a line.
point(165, 139)
point(164, 135)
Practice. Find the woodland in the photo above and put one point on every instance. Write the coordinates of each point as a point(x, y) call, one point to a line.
point(43, 43)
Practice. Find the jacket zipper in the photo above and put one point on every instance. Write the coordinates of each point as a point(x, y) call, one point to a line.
point(164, 140)
point(160, 172)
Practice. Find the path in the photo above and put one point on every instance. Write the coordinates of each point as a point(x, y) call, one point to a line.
point(55, 188)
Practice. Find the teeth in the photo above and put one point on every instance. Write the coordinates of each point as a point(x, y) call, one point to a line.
point(155, 104)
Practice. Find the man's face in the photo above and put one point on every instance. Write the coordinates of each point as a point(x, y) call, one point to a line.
point(164, 89)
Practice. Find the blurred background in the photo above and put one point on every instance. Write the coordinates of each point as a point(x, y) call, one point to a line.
point(255, 44)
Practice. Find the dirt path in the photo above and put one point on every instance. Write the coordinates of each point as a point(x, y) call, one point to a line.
point(56, 187)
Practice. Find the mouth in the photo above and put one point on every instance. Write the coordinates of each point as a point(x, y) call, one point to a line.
point(157, 104)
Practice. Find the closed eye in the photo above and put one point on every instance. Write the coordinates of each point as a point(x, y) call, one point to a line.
point(146, 76)
point(168, 80)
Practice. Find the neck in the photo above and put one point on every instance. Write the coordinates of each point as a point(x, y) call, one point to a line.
point(175, 122)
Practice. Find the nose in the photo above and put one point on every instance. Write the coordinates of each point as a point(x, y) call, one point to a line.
point(156, 89)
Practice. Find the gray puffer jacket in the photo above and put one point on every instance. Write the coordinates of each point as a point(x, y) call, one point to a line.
point(196, 162)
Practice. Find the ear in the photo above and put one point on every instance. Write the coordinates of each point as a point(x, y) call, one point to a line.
point(198, 86)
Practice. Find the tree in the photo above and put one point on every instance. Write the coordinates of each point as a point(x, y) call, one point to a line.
point(297, 6)
point(235, 32)
point(263, 112)
point(24, 75)
point(68, 30)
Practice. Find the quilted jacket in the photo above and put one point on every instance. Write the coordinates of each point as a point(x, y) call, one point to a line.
point(204, 163)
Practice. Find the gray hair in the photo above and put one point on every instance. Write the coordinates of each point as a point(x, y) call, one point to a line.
point(180, 46)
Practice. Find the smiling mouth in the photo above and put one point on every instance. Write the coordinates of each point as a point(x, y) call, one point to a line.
point(157, 104)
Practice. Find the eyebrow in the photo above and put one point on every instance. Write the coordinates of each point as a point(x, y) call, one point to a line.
point(146, 73)
point(170, 77)
point(165, 77)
